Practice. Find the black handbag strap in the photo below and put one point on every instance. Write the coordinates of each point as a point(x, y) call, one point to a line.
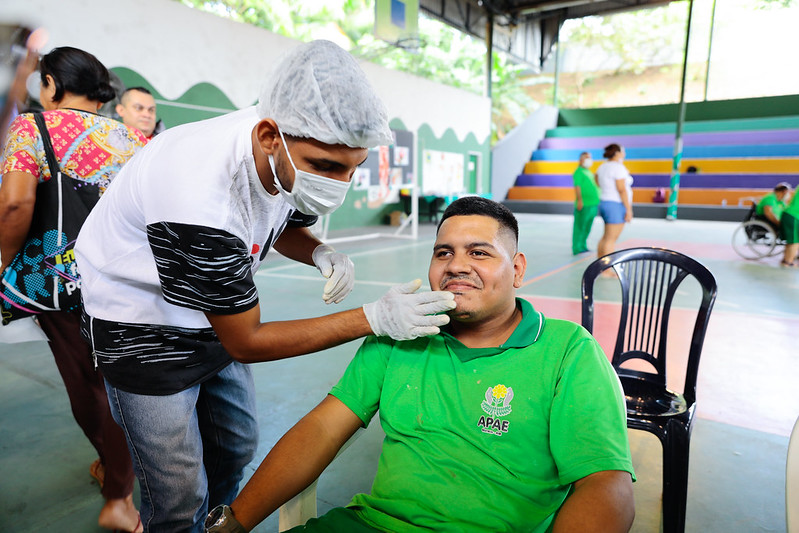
point(52, 161)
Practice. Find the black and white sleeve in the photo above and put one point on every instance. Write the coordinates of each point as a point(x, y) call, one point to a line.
point(202, 268)
point(301, 220)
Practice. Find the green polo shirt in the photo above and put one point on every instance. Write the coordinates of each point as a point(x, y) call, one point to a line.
point(778, 206)
point(793, 207)
point(486, 439)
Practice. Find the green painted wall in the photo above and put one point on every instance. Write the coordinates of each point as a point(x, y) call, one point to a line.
point(354, 212)
point(449, 143)
point(182, 110)
point(776, 106)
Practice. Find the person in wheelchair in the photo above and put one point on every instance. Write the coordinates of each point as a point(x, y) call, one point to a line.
point(505, 421)
point(769, 209)
point(789, 227)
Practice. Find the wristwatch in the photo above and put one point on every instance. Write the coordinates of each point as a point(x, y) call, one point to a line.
point(222, 520)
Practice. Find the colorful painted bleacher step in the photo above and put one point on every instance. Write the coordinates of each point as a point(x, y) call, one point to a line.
point(733, 160)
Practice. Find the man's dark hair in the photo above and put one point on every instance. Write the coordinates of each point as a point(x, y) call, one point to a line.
point(140, 89)
point(76, 72)
point(477, 205)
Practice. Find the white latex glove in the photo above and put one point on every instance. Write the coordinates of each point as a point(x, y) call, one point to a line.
point(403, 315)
point(339, 270)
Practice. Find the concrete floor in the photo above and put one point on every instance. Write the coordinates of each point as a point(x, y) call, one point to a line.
point(747, 401)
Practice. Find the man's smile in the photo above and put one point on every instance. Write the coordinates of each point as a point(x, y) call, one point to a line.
point(457, 285)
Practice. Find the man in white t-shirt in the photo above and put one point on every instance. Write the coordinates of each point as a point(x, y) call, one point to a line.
point(167, 261)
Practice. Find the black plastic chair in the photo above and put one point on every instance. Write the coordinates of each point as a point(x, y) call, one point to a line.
point(649, 279)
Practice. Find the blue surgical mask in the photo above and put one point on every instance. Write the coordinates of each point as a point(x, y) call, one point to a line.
point(311, 194)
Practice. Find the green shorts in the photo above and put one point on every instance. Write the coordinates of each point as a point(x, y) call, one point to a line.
point(789, 228)
point(337, 520)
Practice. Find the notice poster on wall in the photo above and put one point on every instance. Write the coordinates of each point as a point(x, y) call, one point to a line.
point(386, 171)
point(361, 179)
point(402, 156)
point(442, 173)
point(379, 189)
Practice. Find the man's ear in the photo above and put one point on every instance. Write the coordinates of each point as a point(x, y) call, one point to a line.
point(266, 133)
point(519, 268)
point(120, 109)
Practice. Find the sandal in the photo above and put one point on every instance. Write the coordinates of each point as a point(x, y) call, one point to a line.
point(785, 264)
point(97, 471)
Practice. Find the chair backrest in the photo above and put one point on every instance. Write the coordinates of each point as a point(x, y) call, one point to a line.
point(649, 279)
point(752, 213)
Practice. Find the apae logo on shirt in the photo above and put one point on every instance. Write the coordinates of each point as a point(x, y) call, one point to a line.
point(496, 405)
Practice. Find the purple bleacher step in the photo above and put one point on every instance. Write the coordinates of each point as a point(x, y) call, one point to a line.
point(696, 181)
point(689, 139)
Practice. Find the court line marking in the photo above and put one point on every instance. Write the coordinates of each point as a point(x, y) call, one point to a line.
point(763, 313)
point(320, 279)
point(265, 270)
point(557, 270)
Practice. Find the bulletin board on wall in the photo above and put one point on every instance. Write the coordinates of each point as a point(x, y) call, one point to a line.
point(386, 171)
point(442, 173)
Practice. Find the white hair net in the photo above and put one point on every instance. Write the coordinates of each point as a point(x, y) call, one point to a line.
point(319, 91)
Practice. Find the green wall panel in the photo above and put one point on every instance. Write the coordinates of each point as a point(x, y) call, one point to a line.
point(356, 213)
point(449, 143)
point(200, 102)
point(776, 106)
point(695, 126)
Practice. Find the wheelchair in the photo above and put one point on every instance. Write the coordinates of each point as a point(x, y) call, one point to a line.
point(756, 237)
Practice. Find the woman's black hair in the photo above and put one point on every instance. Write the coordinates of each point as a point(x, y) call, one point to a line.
point(77, 72)
point(611, 150)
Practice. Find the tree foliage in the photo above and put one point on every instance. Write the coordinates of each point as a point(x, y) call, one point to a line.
point(627, 42)
point(633, 40)
point(775, 4)
point(445, 55)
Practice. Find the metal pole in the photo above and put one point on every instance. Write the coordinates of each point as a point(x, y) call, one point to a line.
point(489, 51)
point(710, 47)
point(557, 75)
point(671, 212)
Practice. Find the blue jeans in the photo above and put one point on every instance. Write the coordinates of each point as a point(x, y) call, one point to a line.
point(189, 449)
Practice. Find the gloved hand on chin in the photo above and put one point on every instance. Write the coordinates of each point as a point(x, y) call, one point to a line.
point(403, 315)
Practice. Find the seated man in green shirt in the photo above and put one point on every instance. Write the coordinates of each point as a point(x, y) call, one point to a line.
point(771, 206)
point(506, 421)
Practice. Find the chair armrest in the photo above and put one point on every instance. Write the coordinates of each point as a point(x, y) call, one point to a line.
point(299, 509)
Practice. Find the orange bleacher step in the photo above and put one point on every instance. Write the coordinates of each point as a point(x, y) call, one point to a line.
point(663, 166)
